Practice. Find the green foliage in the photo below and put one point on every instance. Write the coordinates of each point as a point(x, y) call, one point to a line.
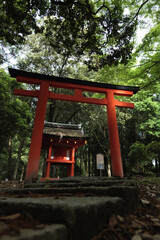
point(15, 114)
point(18, 18)
point(153, 150)
point(148, 180)
point(15, 122)
point(139, 159)
point(98, 33)
point(101, 29)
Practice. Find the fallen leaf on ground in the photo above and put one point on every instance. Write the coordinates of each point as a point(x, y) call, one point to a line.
point(113, 221)
point(121, 219)
point(156, 237)
point(10, 217)
point(3, 226)
point(136, 237)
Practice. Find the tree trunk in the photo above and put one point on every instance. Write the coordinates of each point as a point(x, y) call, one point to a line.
point(85, 165)
point(93, 165)
point(16, 170)
point(10, 160)
point(156, 166)
point(18, 159)
point(22, 173)
point(51, 111)
point(80, 165)
point(159, 164)
point(109, 168)
point(89, 173)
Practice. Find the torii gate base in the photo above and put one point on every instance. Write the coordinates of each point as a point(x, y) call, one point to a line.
point(78, 86)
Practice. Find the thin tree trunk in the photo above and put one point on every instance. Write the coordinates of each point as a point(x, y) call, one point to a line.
point(85, 164)
point(73, 114)
point(89, 172)
point(159, 164)
point(109, 168)
point(93, 170)
point(22, 173)
point(81, 166)
point(18, 159)
point(156, 166)
point(10, 160)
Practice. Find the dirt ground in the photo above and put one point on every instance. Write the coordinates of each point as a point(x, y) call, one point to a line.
point(141, 224)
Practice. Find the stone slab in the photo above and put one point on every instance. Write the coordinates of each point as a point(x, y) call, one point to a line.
point(83, 216)
point(128, 193)
point(81, 204)
point(54, 231)
point(84, 182)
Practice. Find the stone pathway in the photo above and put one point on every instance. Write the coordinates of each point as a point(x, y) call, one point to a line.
point(70, 208)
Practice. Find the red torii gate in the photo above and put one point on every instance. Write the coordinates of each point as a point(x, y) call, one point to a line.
point(79, 87)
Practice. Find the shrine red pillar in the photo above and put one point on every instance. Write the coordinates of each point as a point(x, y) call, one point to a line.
point(47, 175)
point(48, 164)
point(72, 165)
point(117, 169)
point(37, 134)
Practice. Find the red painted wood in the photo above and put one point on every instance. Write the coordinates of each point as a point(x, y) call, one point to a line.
point(48, 164)
point(76, 98)
point(36, 141)
point(26, 93)
point(29, 80)
point(56, 96)
point(72, 166)
point(117, 169)
point(74, 86)
point(123, 104)
point(60, 161)
point(43, 94)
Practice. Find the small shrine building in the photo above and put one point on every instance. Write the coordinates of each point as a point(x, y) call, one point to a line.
point(61, 142)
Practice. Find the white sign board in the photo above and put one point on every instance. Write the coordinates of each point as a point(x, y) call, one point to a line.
point(100, 161)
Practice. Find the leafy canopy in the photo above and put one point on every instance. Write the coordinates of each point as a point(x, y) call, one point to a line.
point(102, 28)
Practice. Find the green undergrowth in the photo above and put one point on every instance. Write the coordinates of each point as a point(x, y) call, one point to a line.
point(148, 179)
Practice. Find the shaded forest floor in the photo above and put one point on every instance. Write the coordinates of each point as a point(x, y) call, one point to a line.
point(141, 224)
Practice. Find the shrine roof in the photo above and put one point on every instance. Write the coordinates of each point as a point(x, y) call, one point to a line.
point(15, 72)
point(63, 130)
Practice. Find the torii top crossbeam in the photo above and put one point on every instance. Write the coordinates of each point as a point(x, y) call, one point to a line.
point(78, 86)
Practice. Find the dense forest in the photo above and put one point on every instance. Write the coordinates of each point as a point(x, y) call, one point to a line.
point(108, 41)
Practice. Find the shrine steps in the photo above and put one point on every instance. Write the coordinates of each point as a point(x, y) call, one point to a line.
point(80, 206)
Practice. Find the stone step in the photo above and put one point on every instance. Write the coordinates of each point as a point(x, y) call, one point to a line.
point(128, 193)
point(84, 217)
point(83, 181)
point(59, 231)
point(81, 205)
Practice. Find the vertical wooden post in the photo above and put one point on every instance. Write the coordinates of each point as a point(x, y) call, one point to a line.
point(37, 134)
point(48, 170)
point(72, 165)
point(117, 169)
point(48, 164)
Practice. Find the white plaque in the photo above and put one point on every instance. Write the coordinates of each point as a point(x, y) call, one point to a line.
point(100, 161)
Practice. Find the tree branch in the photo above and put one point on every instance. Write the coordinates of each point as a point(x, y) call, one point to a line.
point(136, 15)
point(99, 142)
point(145, 70)
point(150, 83)
point(73, 114)
point(138, 65)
